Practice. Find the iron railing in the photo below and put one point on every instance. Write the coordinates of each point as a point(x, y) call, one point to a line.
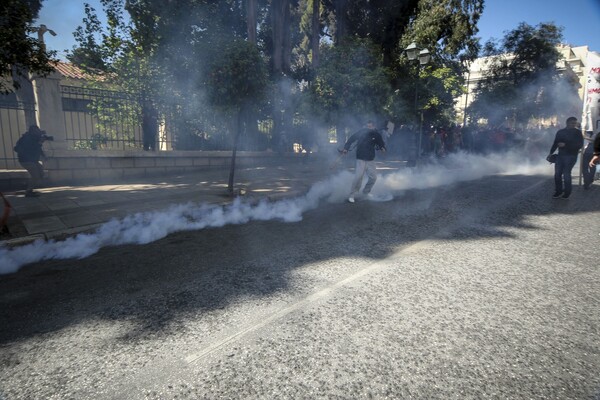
point(99, 118)
point(12, 125)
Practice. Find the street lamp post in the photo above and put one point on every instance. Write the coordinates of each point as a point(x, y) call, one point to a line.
point(41, 30)
point(416, 54)
point(467, 64)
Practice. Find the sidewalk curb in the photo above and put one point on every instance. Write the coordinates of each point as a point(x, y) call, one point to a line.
point(22, 241)
point(63, 234)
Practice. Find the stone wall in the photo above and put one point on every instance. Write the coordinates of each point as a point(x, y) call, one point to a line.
point(76, 167)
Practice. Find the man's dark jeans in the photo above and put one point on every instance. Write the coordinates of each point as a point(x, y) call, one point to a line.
point(562, 172)
point(588, 172)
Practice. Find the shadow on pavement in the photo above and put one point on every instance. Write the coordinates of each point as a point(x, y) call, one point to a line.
point(189, 274)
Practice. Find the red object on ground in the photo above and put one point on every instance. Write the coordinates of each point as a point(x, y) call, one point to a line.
point(5, 214)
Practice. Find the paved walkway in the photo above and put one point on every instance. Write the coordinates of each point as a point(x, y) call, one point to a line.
point(67, 210)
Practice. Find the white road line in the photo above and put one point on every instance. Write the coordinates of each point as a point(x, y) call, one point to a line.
point(411, 249)
point(296, 306)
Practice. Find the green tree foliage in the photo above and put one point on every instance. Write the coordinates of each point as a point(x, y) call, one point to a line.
point(166, 47)
point(178, 39)
point(524, 80)
point(350, 81)
point(311, 29)
point(383, 22)
point(125, 61)
point(21, 53)
point(446, 27)
point(443, 85)
point(89, 53)
point(236, 77)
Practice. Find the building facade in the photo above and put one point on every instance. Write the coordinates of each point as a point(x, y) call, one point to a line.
point(573, 58)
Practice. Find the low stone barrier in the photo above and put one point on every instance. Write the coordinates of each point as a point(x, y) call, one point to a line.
point(72, 167)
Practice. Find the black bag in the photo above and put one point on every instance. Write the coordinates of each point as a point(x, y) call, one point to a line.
point(552, 158)
point(19, 146)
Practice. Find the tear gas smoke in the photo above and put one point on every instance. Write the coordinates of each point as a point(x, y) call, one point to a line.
point(142, 228)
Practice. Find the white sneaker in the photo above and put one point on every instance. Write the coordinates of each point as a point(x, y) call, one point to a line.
point(351, 199)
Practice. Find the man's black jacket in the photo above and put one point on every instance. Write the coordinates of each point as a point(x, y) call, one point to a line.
point(367, 140)
point(29, 147)
point(572, 139)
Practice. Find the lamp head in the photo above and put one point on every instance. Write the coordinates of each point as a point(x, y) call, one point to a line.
point(424, 57)
point(412, 51)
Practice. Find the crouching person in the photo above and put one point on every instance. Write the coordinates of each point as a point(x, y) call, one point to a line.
point(368, 139)
point(29, 152)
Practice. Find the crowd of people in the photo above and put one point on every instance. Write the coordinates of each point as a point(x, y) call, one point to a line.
point(405, 143)
point(439, 141)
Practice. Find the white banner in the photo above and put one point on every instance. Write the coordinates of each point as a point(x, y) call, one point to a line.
point(590, 120)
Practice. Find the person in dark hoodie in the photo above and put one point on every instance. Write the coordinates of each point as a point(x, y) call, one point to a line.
point(29, 151)
point(596, 157)
point(588, 169)
point(367, 140)
point(568, 141)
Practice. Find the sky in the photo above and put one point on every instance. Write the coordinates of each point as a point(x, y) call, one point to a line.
point(579, 18)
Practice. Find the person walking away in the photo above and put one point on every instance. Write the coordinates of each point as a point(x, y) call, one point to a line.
point(596, 157)
point(149, 126)
point(367, 140)
point(568, 141)
point(588, 169)
point(438, 142)
point(29, 151)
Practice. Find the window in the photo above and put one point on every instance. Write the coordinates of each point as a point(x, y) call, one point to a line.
point(76, 105)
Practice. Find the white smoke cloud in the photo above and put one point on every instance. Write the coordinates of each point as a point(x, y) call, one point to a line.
point(142, 228)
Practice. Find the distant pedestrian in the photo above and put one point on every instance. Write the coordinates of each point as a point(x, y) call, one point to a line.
point(29, 152)
point(596, 157)
point(588, 169)
point(568, 141)
point(149, 126)
point(438, 142)
point(367, 140)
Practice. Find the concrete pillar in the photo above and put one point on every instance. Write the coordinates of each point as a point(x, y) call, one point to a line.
point(25, 95)
point(165, 139)
point(49, 114)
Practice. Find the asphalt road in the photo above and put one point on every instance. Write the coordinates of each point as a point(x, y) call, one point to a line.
point(483, 289)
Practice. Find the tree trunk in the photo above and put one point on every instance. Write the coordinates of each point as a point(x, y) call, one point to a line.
point(25, 95)
point(286, 50)
point(249, 114)
point(280, 14)
point(315, 33)
point(236, 140)
point(340, 133)
point(251, 11)
point(278, 19)
point(341, 21)
point(282, 38)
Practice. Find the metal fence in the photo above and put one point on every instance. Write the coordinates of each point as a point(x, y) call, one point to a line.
point(101, 119)
point(12, 125)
